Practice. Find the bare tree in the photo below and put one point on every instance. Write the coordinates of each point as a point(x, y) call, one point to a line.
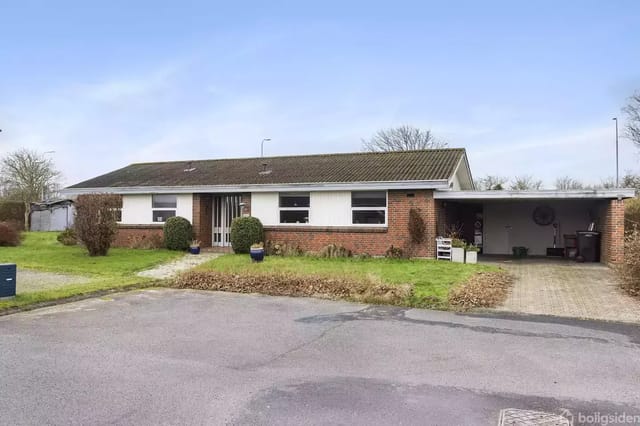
point(27, 175)
point(491, 183)
point(402, 138)
point(566, 182)
point(524, 183)
point(631, 180)
point(632, 110)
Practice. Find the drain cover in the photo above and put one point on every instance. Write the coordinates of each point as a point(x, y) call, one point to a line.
point(517, 417)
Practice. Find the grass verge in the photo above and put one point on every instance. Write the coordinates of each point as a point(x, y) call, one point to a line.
point(41, 252)
point(431, 280)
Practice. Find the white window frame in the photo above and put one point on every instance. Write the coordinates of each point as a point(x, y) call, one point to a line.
point(155, 209)
point(307, 209)
point(370, 225)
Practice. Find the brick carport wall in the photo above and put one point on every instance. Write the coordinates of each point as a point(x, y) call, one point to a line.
point(372, 240)
point(612, 228)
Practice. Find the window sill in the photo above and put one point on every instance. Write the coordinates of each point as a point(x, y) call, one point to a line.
point(344, 229)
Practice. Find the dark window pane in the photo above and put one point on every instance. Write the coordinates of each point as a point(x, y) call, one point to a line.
point(293, 199)
point(118, 214)
point(163, 201)
point(163, 215)
point(372, 217)
point(294, 216)
point(369, 199)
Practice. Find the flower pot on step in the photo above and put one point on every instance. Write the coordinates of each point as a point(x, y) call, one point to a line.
point(257, 254)
point(457, 254)
point(472, 257)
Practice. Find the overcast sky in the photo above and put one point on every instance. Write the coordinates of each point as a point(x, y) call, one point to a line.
point(526, 87)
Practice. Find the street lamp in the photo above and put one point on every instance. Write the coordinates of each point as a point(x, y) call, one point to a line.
point(262, 146)
point(617, 172)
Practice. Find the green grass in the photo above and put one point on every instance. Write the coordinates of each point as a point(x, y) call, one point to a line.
point(40, 251)
point(432, 279)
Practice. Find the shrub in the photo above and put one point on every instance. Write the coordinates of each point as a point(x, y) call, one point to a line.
point(416, 226)
point(245, 231)
point(282, 249)
point(68, 237)
point(333, 250)
point(178, 233)
point(629, 271)
point(153, 241)
point(394, 253)
point(10, 234)
point(96, 221)
point(482, 290)
point(631, 214)
point(12, 211)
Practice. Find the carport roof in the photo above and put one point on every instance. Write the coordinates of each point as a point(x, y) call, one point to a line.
point(620, 193)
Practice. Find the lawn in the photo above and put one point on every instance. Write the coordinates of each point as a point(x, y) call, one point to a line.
point(40, 251)
point(432, 279)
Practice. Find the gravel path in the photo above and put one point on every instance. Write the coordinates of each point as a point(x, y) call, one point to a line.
point(168, 270)
point(28, 281)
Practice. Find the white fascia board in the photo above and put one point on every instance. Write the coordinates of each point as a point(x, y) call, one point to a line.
point(619, 193)
point(373, 186)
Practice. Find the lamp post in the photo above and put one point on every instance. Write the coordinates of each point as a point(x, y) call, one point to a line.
point(617, 169)
point(262, 146)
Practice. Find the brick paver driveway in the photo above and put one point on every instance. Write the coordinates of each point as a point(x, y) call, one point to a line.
point(567, 289)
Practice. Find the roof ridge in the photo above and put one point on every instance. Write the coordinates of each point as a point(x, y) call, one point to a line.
point(333, 154)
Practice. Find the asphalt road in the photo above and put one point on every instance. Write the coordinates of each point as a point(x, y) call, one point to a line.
point(186, 357)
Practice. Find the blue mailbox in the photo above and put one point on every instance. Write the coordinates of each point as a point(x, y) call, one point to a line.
point(7, 280)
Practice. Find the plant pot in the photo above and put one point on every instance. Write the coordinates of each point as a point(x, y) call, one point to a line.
point(257, 254)
point(194, 250)
point(472, 257)
point(457, 254)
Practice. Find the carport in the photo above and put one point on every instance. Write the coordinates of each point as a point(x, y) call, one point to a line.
point(497, 221)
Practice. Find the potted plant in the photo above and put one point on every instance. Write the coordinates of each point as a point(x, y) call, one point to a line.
point(194, 247)
point(257, 252)
point(472, 253)
point(457, 250)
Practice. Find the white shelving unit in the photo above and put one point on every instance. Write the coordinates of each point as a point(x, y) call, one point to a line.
point(443, 248)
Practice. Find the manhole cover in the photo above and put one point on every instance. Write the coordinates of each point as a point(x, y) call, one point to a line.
point(517, 417)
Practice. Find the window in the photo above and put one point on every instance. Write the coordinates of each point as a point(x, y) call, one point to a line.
point(369, 208)
point(294, 207)
point(163, 206)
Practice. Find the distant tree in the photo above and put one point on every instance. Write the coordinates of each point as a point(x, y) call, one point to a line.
point(631, 180)
point(566, 182)
point(606, 183)
point(491, 183)
point(632, 111)
point(26, 176)
point(402, 138)
point(524, 183)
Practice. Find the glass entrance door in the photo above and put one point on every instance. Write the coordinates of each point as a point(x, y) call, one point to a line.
point(225, 209)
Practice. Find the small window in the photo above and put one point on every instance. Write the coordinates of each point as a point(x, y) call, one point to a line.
point(163, 201)
point(369, 199)
point(369, 208)
point(163, 207)
point(294, 207)
point(294, 199)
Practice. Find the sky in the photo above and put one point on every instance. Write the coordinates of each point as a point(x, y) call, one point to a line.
point(525, 87)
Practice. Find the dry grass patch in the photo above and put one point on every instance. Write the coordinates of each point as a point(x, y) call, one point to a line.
point(286, 284)
point(482, 290)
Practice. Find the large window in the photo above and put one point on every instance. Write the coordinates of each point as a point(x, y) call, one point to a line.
point(369, 207)
point(163, 206)
point(294, 207)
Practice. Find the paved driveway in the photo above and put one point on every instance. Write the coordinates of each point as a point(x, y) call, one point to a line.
point(568, 289)
point(188, 357)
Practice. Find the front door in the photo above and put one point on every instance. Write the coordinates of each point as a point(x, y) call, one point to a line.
point(225, 209)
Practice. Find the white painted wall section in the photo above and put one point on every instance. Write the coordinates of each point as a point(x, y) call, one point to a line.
point(332, 208)
point(264, 206)
point(136, 209)
point(508, 224)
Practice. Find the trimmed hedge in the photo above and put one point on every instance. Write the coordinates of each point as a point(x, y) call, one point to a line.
point(10, 234)
point(244, 232)
point(12, 211)
point(178, 233)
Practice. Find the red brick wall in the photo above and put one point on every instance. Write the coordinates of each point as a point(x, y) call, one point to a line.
point(374, 241)
point(612, 228)
point(127, 233)
point(202, 220)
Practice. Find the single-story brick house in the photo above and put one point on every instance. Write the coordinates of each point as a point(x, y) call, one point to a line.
point(358, 200)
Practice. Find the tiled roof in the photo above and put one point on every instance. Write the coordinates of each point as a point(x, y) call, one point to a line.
point(435, 164)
